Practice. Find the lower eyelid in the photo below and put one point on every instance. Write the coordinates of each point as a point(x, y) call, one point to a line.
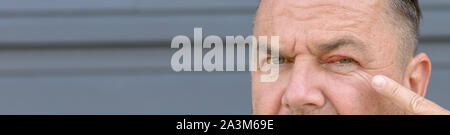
point(340, 68)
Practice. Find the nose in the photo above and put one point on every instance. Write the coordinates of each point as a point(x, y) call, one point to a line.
point(304, 91)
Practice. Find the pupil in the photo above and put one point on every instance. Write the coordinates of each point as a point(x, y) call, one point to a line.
point(280, 60)
point(345, 60)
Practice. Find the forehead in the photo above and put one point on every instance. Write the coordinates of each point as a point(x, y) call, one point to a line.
point(309, 9)
point(320, 20)
point(310, 14)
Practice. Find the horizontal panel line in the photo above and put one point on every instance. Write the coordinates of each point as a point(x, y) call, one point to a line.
point(76, 45)
point(440, 65)
point(435, 7)
point(128, 12)
point(434, 39)
point(102, 72)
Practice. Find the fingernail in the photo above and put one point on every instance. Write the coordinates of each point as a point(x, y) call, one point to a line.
point(379, 82)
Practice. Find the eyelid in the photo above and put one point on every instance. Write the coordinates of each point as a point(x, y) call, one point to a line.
point(332, 64)
point(288, 59)
point(339, 57)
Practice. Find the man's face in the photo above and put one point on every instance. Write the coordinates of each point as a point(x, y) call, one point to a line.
point(325, 46)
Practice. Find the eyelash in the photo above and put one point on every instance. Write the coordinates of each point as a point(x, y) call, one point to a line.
point(336, 64)
point(280, 61)
point(332, 64)
point(334, 59)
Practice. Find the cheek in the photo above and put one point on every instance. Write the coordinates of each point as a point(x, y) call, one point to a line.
point(350, 95)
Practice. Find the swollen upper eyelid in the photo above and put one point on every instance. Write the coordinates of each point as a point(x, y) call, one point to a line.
point(340, 57)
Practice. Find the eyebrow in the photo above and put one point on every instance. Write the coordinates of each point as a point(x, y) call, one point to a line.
point(343, 41)
point(349, 41)
point(269, 51)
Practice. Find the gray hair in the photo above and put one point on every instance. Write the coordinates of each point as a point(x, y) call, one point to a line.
point(409, 11)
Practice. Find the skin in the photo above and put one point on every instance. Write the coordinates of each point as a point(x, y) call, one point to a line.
point(332, 50)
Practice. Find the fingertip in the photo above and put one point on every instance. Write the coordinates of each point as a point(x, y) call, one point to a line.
point(378, 82)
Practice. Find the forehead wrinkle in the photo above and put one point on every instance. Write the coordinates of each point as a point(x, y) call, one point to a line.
point(283, 52)
point(310, 12)
point(346, 41)
point(339, 17)
point(328, 15)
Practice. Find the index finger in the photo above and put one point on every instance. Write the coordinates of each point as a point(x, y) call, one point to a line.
point(405, 98)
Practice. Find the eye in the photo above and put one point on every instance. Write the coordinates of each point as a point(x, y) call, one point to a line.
point(345, 61)
point(340, 64)
point(279, 60)
point(341, 60)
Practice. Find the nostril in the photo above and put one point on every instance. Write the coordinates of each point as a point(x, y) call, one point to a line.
point(309, 105)
point(285, 104)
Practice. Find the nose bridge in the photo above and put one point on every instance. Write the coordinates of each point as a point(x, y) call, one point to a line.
point(299, 81)
point(302, 90)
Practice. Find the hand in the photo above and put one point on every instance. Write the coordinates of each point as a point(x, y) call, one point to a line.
point(405, 98)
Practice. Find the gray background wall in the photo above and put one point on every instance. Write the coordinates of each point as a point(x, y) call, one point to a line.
point(113, 56)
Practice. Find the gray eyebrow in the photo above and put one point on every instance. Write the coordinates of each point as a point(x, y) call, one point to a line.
point(345, 41)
